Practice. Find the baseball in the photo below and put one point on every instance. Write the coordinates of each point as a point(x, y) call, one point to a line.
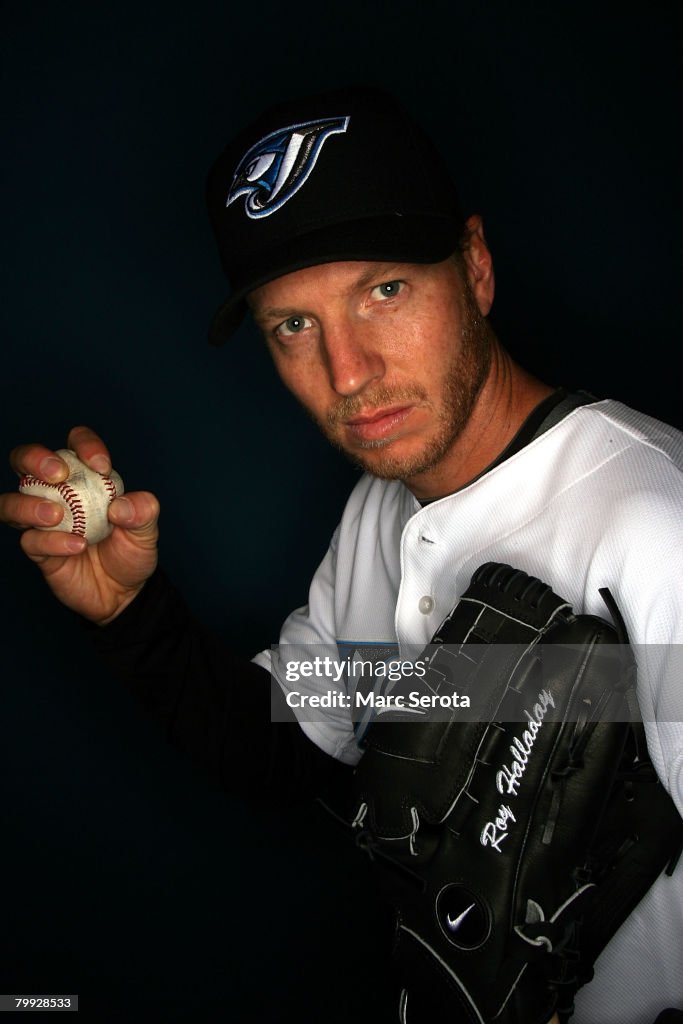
point(85, 497)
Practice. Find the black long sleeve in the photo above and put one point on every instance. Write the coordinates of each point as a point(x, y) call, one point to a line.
point(211, 703)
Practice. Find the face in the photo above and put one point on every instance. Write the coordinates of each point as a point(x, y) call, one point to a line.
point(388, 359)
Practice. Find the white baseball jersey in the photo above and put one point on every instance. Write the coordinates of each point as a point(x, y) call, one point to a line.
point(595, 501)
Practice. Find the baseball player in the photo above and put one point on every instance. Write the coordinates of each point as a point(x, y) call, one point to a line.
point(341, 233)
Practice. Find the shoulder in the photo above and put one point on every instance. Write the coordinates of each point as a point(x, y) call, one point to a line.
point(642, 463)
point(610, 458)
point(650, 443)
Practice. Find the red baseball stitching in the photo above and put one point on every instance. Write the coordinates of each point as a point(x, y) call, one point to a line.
point(110, 487)
point(79, 522)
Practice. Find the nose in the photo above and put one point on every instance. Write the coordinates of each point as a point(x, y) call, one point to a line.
point(352, 357)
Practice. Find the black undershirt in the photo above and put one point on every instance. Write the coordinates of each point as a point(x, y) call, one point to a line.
point(544, 416)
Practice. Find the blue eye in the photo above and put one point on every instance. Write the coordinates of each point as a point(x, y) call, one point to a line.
point(387, 290)
point(292, 325)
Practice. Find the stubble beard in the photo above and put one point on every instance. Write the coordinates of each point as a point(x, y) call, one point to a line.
point(461, 388)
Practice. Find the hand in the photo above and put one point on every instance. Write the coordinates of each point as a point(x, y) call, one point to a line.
point(96, 580)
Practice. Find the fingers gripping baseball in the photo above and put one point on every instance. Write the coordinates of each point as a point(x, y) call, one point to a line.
point(94, 544)
point(85, 497)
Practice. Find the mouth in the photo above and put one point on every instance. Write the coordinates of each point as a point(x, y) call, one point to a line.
point(377, 424)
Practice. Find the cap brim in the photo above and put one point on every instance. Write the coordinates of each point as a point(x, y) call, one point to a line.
point(412, 239)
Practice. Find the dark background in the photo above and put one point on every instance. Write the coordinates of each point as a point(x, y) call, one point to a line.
point(126, 876)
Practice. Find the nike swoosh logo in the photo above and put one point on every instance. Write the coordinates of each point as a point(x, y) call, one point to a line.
point(454, 925)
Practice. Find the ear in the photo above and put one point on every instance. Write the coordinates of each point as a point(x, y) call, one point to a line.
point(479, 264)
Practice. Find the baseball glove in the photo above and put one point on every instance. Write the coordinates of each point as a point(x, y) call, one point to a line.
point(509, 835)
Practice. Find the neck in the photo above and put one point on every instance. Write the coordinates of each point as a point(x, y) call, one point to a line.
point(507, 397)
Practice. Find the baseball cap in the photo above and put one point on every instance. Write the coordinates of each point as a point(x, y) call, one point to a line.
point(346, 174)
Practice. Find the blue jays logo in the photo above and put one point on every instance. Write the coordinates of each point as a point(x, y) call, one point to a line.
point(276, 167)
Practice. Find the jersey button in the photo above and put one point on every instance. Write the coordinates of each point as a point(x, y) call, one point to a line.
point(426, 604)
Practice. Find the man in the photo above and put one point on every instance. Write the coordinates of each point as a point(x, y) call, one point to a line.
point(340, 231)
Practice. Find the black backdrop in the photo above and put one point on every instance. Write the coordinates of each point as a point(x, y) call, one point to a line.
point(125, 875)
